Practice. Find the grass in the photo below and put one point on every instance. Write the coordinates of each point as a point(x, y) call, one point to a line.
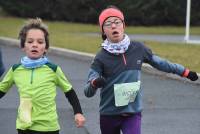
point(70, 36)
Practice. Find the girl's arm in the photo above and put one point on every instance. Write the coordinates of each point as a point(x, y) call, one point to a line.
point(169, 67)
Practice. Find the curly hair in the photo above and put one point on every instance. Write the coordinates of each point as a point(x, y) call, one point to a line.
point(33, 24)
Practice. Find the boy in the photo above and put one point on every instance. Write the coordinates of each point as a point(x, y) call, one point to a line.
point(36, 79)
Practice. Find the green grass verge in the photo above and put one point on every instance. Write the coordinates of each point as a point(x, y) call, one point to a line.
point(69, 35)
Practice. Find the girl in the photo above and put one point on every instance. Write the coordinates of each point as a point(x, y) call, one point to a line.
point(116, 69)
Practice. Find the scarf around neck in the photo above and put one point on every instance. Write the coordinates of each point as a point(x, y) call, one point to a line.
point(30, 63)
point(117, 48)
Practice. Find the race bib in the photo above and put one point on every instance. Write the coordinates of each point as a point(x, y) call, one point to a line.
point(125, 93)
point(25, 109)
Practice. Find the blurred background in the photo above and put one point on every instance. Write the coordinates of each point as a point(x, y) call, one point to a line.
point(137, 12)
point(73, 24)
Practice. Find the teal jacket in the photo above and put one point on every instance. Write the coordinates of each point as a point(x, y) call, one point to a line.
point(124, 70)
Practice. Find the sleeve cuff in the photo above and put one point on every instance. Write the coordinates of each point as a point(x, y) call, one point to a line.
point(185, 73)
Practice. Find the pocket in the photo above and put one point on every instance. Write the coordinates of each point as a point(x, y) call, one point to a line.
point(25, 109)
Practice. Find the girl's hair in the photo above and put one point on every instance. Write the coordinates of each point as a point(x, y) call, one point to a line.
point(113, 6)
point(33, 24)
point(103, 36)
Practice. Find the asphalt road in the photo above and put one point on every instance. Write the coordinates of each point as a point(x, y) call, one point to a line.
point(170, 106)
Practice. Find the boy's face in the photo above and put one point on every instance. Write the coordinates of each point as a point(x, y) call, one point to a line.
point(35, 44)
point(114, 29)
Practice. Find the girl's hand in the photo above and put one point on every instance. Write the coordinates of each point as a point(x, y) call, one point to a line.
point(79, 120)
point(192, 76)
point(98, 82)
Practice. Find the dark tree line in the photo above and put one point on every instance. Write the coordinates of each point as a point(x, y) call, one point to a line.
point(137, 12)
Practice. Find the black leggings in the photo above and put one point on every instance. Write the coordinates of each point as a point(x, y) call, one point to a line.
point(36, 132)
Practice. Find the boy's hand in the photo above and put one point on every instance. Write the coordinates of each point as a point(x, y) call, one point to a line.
point(192, 76)
point(79, 120)
point(98, 82)
point(2, 94)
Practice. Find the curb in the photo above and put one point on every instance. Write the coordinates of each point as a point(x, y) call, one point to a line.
point(89, 57)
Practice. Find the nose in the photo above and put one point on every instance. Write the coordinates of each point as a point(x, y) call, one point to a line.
point(35, 44)
point(113, 24)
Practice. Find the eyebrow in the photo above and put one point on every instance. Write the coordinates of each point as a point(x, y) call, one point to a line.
point(111, 20)
point(40, 39)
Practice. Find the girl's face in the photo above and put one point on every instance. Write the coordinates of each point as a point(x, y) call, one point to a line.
point(35, 44)
point(114, 29)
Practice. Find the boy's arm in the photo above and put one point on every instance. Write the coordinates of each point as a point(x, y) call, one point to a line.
point(73, 100)
point(62, 81)
point(70, 94)
point(2, 94)
point(6, 83)
point(2, 69)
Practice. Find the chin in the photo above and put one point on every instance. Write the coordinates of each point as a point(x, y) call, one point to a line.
point(34, 57)
point(116, 40)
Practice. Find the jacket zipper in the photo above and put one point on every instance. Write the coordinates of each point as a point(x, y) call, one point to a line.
point(124, 59)
point(32, 75)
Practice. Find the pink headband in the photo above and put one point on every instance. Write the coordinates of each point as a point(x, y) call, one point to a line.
point(110, 12)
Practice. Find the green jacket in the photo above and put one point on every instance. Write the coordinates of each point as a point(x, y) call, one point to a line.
point(39, 87)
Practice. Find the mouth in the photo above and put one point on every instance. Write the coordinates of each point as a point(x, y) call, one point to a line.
point(115, 33)
point(34, 51)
